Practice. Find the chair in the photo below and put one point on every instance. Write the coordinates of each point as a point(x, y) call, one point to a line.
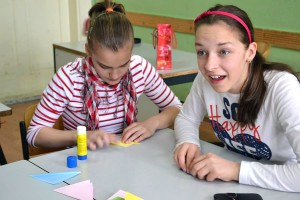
point(264, 49)
point(29, 150)
point(2, 157)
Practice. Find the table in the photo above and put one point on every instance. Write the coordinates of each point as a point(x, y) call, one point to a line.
point(184, 63)
point(149, 171)
point(16, 183)
point(4, 111)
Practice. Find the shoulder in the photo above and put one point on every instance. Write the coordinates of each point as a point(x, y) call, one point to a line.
point(69, 76)
point(139, 62)
point(72, 70)
point(72, 67)
point(139, 65)
point(282, 87)
point(280, 79)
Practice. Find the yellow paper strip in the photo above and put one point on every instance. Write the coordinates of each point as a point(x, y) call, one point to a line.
point(122, 144)
point(130, 196)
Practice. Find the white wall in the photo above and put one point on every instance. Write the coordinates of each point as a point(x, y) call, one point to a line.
point(28, 28)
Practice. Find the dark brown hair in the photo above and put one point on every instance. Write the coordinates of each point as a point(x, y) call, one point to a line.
point(254, 89)
point(109, 29)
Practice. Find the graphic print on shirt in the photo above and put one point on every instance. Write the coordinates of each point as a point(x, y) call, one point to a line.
point(244, 140)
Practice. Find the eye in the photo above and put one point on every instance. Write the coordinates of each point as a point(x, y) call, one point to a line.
point(103, 66)
point(201, 53)
point(224, 52)
point(123, 66)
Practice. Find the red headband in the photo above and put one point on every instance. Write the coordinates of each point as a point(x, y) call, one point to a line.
point(228, 15)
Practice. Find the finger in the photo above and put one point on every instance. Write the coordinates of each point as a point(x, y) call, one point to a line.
point(182, 159)
point(211, 176)
point(197, 164)
point(140, 138)
point(131, 135)
point(143, 135)
point(130, 127)
point(135, 136)
point(126, 134)
point(202, 172)
point(99, 142)
point(198, 159)
point(92, 146)
point(189, 158)
point(106, 139)
point(112, 138)
point(175, 156)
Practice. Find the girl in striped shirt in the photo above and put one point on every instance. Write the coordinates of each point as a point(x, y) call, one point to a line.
point(101, 90)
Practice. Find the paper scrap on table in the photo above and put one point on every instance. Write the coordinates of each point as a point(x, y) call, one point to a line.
point(122, 144)
point(122, 195)
point(82, 190)
point(55, 178)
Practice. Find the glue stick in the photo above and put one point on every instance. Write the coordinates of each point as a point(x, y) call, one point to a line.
point(81, 143)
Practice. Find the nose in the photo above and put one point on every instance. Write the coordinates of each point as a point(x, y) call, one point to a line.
point(114, 74)
point(211, 62)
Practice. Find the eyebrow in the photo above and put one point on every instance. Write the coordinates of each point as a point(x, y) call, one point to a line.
point(219, 44)
point(102, 65)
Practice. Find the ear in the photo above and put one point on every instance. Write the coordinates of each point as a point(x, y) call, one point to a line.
point(251, 51)
point(87, 50)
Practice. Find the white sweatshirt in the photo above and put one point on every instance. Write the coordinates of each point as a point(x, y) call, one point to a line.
point(276, 135)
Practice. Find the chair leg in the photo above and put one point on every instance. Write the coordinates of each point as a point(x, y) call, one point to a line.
point(24, 140)
point(2, 157)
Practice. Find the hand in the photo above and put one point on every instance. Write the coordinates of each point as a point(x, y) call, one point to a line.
point(210, 167)
point(99, 139)
point(136, 132)
point(185, 154)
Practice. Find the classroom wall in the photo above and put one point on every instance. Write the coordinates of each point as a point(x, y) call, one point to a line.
point(28, 28)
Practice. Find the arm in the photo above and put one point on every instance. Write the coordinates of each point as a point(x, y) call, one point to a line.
point(52, 138)
point(284, 177)
point(187, 127)
point(139, 131)
point(160, 94)
point(187, 154)
point(191, 115)
point(164, 119)
point(55, 100)
point(284, 94)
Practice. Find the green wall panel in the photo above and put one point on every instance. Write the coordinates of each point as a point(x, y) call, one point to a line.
point(181, 90)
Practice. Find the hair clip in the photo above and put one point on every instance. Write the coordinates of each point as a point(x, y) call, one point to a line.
point(110, 9)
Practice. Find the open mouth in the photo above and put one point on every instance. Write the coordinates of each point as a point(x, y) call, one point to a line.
point(217, 78)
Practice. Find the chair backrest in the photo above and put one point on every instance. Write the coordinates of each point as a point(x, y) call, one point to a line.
point(264, 49)
point(29, 150)
point(2, 157)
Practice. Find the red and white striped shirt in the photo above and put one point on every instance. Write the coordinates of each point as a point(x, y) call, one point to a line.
point(63, 97)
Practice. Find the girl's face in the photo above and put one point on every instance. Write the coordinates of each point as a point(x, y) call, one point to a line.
point(222, 58)
point(111, 66)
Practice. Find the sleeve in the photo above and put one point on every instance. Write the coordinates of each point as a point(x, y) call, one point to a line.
point(191, 115)
point(55, 98)
point(156, 89)
point(284, 177)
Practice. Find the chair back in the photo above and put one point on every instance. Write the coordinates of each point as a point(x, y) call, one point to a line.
point(264, 49)
point(29, 150)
